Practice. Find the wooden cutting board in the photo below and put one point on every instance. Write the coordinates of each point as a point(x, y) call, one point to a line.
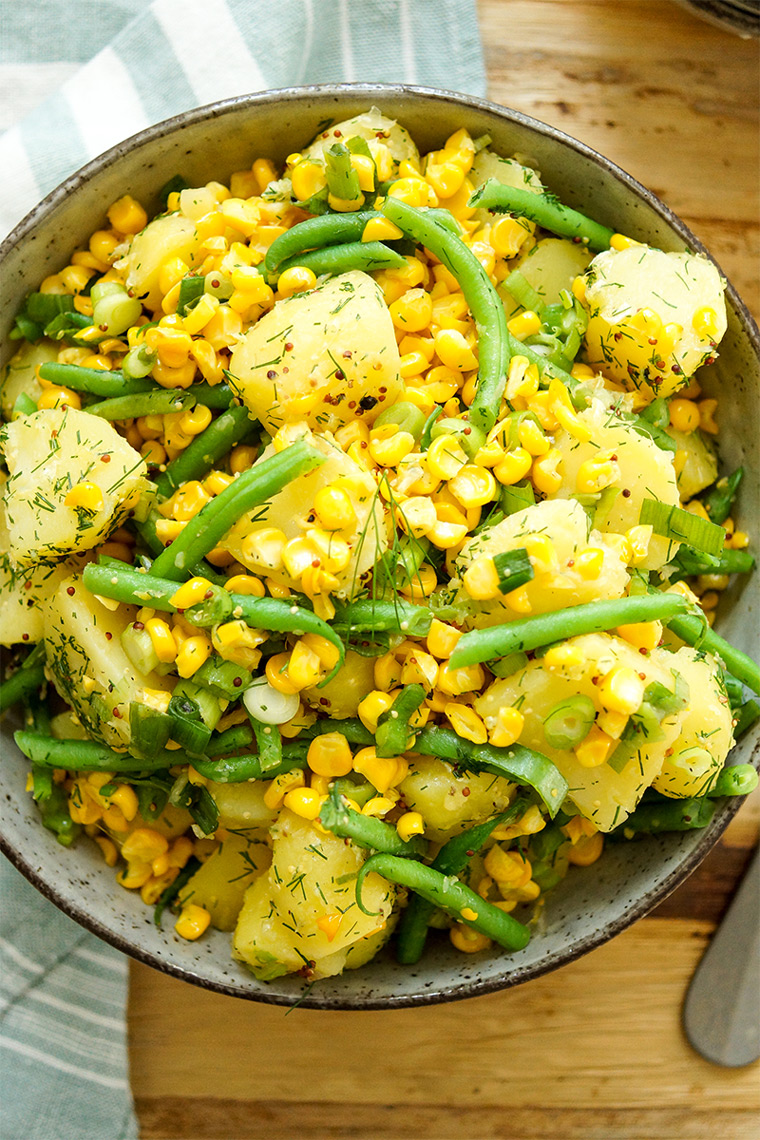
point(594, 1051)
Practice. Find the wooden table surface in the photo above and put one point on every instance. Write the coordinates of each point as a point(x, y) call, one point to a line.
point(594, 1051)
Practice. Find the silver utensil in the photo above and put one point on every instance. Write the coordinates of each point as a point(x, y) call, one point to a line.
point(721, 1013)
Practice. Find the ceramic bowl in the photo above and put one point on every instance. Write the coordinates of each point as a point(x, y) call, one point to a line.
point(590, 906)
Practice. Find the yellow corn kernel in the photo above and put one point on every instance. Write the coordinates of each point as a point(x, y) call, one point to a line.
point(193, 653)
point(642, 635)
point(684, 415)
point(639, 538)
point(509, 724)
point(126, 801)
point(187, 501)
point(102, 244)
point(144, 845)
point(532, 438)
point(421, 585)
point(381, 229)
point(454, 352)
point(277, 673)
point(465, 679)
point(507, 235)
point(467, 940)
point(524, 324)
point(419, 668)
point(305, 668)
point(595, 749)
point(562, 657)
point(329, 924)
point(542, 554)
point(705, 322)
point(466, 722)
point(588, 563)
point(379, 806)
point(297, 279)
point(264, 547)
point(180, 377)
point(417, 515)
point(371, 708)
point(180, 851)
point(330, 755)
point(134, 876)
point(413, 311)
point(707, 416)
point(308, 178)
point(162, 640)
point(192, 922)
point(279, 787)
point(620, 241)
point(333, 507)
point(514, 466)
point(387, 672)
point(56, 397)
point(196, 420)
point(509, 867)
point(412, 189)
point(481, 580)
point(388, 445)
point(473, 485)
point(739, 540)
point(75, 277)
point(127, 215)
point(151, 891)
point(597, 473)
point(108, 849)
point(170, 274)
point(381, 771)
point(613, 723)
point(86, 496)
point(410, 824)
point(305, 802)
point(445, 457)
point(621, 690)
point(190, 593)
point(587, 850)
point(442, 639)
point(241, 458)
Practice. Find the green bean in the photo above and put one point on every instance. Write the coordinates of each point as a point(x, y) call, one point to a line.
point(286, 617)
point(427, 431)
point(170, 893)
point(25, 681)
point(448, 893)
point(690, 562)
point(393, 729)
point(342, 179)
point(86, 755)
point(221, 743)
point(652, 818)
point(736, 780)
point(543, 629)
point(315, 233)
point(367, 830)
point(217, 396)
point(350, 727)
point(94, 380)
point(367, 255)
point(544, 210)
point(720, 499)
point(693, 631)
point(452, 859)
point(746, 714)
point(368, 615)
point(205, 530)
point(159, 402)
point(483, 300)
point(520, 765)
point(199, 457)
point(238, 769)
point(56, 817)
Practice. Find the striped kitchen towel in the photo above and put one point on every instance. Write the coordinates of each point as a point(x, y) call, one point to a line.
point(74, 81)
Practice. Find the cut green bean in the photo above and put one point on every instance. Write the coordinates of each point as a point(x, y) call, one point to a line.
point(746, 714)
point(86, 755)
point(206, 529)
point(663, 815)
point(695, 632)
point(736, 780)
point(519, 764)
point(720, 499)
point(366, 255)
point(544, 210)
point(367, 830)
point(56, 816)
point(315, 233)
point(350, 727)
point(24, 682)
point(94, 380)
point(393, 729)
point(543, 629)
point(199, 457)
point(342, 179)
point(483, 300)
point(367, 616)
point(239, 736)
point(690, 563)
point(159, 402)
point(450, 895)
point(238, 769)
point(452, 859)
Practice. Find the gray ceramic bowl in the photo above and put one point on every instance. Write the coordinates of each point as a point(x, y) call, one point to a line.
point(589, 907)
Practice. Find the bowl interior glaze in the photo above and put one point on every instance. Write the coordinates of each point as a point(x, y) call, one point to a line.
point(211, 142)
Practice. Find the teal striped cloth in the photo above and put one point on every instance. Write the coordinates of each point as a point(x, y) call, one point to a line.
point(74, 80)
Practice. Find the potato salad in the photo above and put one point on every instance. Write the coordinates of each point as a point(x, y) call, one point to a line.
point(362, 533)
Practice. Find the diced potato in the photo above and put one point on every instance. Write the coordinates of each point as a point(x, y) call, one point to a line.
point(303, 912)
point(219, 884)
point(372, 126)
point(340, 697)
point(48, 454)
point(242, 805)
point(316, 355)
point(706, 730)
point(166, 237)
point(290, 511)
point(565, 524)
point(700, 467)
point(549, 267)
point(509, 172)
point(646, 471)
point(451, 803)
point(90, 669)
point(602, 795)
point(20, 373)
point(654, 317)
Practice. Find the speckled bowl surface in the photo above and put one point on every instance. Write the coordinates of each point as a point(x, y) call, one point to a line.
point(590, 906)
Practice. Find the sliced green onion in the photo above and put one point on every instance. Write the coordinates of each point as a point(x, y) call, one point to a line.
point(568, 723)
point(523, 292)
point(115, 312)
point(191, 290)
point(506, 666)
point(517, 497)
point(682, 526)
point(514, 569)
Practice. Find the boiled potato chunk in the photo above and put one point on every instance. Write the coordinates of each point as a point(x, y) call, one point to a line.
point(316, 355)
point(654, 317)
point(601, 794)
point(48, 454)
point(566, 526)
point(372, 126)
point(340, 697)
point(241, 805)
point(20, 375)
point(549, 267)
point(452, 803)
point(304, 910)
point(509, 172)
point(700, 467)
point(646, 471)
point(289, 515)
point(166, 237)
point(706, 730)
point(219, 885)
point(88, 665)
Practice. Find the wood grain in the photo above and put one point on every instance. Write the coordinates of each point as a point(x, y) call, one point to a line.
point(594, 1051)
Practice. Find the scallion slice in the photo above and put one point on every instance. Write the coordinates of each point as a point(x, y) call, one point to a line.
point(682, 526)
point(568, 723)
point(513, 568)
